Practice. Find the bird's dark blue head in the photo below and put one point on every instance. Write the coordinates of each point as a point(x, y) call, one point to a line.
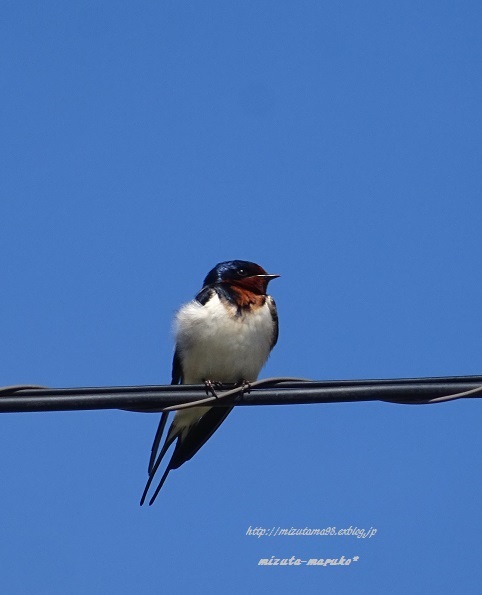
point(241, 273)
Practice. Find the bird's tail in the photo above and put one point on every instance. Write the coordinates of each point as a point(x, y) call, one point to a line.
point(155, 459)
point(157, 441)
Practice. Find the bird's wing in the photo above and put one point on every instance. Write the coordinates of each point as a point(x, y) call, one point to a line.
point(176, 377)
point(274, 315)
point(187, 445)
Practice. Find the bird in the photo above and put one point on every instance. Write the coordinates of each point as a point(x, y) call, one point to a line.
point(224, 335)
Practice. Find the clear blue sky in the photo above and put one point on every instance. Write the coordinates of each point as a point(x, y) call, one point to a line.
point(338, 144)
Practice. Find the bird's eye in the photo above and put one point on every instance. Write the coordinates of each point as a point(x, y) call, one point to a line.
point(242, 272)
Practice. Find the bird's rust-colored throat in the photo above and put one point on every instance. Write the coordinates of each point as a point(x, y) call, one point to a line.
point(257, 284)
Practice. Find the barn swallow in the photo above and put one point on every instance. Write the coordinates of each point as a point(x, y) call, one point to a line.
point(224, 335)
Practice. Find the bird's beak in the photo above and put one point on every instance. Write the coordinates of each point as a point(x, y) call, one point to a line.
point(269, 277)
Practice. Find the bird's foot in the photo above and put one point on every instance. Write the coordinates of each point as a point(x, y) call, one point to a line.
point(246, 386)
point(210, 387)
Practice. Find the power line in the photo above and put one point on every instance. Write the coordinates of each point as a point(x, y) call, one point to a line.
point(270, 391)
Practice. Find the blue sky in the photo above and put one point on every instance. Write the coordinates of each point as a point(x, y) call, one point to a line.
point(337, 144)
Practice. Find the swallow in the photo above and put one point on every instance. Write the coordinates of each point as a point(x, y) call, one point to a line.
point(224, 335)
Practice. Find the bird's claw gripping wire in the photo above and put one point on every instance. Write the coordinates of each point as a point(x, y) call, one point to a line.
point(245, 386)
point(210, 388)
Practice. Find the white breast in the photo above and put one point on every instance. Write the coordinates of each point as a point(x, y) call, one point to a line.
point(215, 344)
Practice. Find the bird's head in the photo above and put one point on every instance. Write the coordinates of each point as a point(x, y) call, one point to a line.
point(241, 273)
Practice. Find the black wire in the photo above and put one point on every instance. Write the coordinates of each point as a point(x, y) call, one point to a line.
point(24, 398)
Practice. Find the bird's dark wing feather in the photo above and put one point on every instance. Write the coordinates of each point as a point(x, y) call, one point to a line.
point(186, 448)
point(198, 435)
point(274, 316)
point(176, 377)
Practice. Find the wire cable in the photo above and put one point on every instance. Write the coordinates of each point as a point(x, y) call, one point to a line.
point(268, 391)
